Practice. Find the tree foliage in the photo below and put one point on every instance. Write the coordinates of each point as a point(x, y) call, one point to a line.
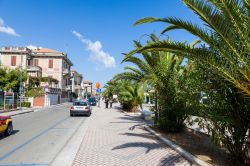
point(11, 78)
point(225, 35)
point(223, 72)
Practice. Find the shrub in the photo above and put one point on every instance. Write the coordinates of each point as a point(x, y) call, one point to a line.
point(26, 104)
point(34, 92)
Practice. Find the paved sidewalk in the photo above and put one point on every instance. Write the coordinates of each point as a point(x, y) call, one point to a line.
point(114, 138)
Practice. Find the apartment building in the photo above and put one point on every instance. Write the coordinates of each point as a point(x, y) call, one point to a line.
point(88, 87)
point(44, 62)
point(13, 57)
point(77, 83)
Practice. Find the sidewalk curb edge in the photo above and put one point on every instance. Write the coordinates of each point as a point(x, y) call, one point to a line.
point(20, 113)
point(177, 148)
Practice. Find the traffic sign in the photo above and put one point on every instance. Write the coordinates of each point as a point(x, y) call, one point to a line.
point(99, 90)
point(97, 85)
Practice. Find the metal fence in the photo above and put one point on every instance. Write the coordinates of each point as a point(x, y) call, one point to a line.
point(10, 101)
point(1, 100)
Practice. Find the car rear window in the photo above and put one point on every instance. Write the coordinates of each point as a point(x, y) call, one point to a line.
point(92, 99)
point(80, 104)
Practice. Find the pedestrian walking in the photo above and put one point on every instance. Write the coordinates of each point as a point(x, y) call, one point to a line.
point(110, 103)
point(106, 102)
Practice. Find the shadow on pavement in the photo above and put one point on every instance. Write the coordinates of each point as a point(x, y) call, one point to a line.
point(148, 136)
point(172, 159)
point(2, 136)
point(146, 145)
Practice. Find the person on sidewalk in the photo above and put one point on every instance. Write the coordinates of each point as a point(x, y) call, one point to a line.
point(110, 103)
point(106, 102)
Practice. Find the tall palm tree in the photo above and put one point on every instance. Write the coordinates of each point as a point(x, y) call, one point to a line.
point(159, 69)
point(225, 35)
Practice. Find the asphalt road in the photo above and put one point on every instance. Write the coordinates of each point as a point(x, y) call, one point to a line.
point(38, 137)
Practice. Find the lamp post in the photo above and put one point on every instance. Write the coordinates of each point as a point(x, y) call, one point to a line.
point(20, 86)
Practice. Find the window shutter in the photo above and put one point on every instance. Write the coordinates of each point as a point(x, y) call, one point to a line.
point(50, 63)
point(13, 60)
point(36, 62)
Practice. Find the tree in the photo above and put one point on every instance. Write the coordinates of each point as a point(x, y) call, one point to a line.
point(226, 112)
point(161, 70)
point(131, 96)
point(225, 35)
point(10, 78)
point(225, 52)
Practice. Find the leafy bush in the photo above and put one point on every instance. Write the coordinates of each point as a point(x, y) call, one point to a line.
point(26, 104)
point(35, 92)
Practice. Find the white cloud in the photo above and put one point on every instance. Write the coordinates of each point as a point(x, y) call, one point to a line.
point(96, 53)
point(32, 47)
point(6, 29)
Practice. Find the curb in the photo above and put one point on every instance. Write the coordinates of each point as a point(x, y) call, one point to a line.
point(33, 110)
point(132, 113)
point(20, 113)
point(177, 148)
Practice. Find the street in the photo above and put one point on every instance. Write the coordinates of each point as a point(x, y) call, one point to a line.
point(39, 136)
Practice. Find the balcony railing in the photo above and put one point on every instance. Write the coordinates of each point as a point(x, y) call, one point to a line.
point(34, 68)
point(66, 71)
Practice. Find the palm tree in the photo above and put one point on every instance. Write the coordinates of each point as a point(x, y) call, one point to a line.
point(155, 69)
point(160, 70)
point(225, 35)
point(131, 96)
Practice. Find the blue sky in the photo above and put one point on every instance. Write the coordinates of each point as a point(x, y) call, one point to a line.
point(94, 33)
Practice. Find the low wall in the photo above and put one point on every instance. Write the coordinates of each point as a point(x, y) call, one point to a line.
point(64, 100)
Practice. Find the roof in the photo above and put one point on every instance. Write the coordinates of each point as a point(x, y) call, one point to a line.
point(76, 73)
point(45, 50)
point(50, 52)
point(87, 82)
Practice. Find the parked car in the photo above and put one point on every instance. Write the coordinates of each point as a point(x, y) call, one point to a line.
point(6, 125)
point(80, 108)
point(92, 101)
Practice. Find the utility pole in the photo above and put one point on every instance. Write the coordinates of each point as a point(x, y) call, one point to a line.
point(20, 88)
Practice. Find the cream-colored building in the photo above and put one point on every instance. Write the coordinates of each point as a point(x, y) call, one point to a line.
point(48, 62)
point(40, 62)
point(54, 64)
point(77, 83)
point(12, 57)
point(88, 87)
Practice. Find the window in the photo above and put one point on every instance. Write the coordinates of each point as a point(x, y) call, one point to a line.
point(29, 62)
point(36, 62)
point(13, 60)
point(80, 104)
point(50, 63)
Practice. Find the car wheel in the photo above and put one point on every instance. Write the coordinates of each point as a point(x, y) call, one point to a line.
point(71, 115)
point(89, 113)
point(9, 130)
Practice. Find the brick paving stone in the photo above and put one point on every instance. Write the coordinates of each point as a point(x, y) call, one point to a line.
point(116, 139)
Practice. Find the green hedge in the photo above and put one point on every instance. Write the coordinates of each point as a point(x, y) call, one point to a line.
point(25, 104)
point(35, 92)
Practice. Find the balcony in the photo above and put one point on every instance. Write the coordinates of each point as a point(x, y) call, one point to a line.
point(34, 71)
point(66, 71)
point(15, 50)
point(68, 88)
point(52, 90)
